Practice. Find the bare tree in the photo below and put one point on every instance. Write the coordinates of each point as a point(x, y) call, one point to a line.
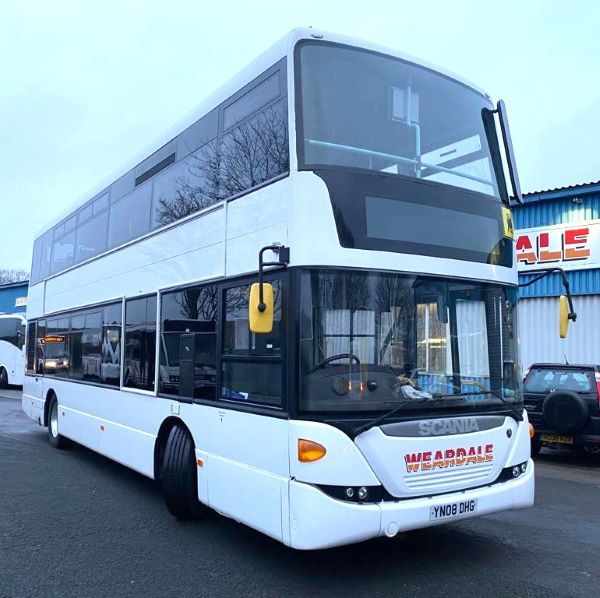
point(248, 155)
point(8, 275)
point(199, 303)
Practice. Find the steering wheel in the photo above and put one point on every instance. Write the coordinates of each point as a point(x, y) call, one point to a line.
point(327, 361)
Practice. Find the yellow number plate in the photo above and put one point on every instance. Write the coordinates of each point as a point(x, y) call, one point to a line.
point(557, 438)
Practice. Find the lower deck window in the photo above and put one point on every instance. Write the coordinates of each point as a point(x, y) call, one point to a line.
point(188, 342)
point(84, 345)
point(251, 364)
point(253, 382)
point(140, 343)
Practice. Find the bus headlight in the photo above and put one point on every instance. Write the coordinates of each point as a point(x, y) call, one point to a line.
point(512, 472)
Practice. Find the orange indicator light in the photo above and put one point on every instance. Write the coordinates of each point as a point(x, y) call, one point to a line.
point(309, 450)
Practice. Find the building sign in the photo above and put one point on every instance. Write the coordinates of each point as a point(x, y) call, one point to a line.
point(20, 301)
point(568, 246)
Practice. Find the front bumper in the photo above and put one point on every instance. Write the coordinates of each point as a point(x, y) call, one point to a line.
point(319, 521)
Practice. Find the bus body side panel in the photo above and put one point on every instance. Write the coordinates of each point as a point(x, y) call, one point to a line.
point(255, 220)
point(35, 301)
point(188, 252)
point(13, 362)
point(9, 359)
point(246, 468)
point(120, 425)
point(19, 374)
point(191, 251)
point(32, 399)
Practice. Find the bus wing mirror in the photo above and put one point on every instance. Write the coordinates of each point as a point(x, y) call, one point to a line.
point(563, 316)
point(260, 313)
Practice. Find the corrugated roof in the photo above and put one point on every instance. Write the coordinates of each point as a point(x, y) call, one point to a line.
point(561, 210)
point(557, 192)
point(11, 285)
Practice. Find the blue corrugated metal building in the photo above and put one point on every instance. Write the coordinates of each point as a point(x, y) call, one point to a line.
point(13, 297)
point(545, 218)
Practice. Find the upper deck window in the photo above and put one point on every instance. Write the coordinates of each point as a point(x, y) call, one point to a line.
point(236, 147)
point(251, 102)
point(367, 111)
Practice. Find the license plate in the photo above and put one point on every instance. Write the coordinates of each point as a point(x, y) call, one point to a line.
point(452, 510)
point(557, 438)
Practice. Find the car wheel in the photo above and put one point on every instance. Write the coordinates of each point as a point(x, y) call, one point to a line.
point(56, 440)
point(3, 378)
point(179, 477)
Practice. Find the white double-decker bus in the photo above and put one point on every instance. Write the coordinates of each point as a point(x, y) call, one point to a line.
point(299, 310)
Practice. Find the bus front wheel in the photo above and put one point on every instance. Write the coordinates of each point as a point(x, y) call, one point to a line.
point(179, 478)
point(56, 440)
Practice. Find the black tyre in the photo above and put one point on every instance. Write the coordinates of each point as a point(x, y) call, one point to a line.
point(566, 411)
point(179, 478)
point(3, 378)
point(56, 440)
point(536, 446)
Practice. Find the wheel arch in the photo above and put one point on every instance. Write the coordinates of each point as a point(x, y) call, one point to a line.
point(49, 394)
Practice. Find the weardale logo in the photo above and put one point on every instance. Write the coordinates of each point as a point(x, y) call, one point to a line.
point(457, 457)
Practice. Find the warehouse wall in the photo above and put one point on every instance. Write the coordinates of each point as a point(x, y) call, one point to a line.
point(9, 295)
point(538, 331)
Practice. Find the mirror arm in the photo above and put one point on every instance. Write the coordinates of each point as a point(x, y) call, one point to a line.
point(283, 253)
point(565, 283)
point(508, 147)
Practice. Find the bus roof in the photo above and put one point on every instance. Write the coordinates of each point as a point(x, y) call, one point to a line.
point(282, 48)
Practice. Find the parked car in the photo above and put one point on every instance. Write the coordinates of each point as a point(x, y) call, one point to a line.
point(563, 404)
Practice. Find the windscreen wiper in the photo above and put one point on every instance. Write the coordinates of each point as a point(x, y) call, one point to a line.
point(518, 416)
point(383, 417)
point(438, 398)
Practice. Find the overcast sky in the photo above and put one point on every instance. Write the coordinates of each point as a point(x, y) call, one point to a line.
point(85, 85)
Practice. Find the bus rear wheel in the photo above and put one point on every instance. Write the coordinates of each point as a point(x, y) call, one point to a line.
point(56, 440)
point(179, 478)
point(3, 378)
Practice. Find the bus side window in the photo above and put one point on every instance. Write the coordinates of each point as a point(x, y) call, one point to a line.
point(9, 331)
point(21, 336)
point(140, 343)
point(188, 343)
point(251, 364)
point(110, 369)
